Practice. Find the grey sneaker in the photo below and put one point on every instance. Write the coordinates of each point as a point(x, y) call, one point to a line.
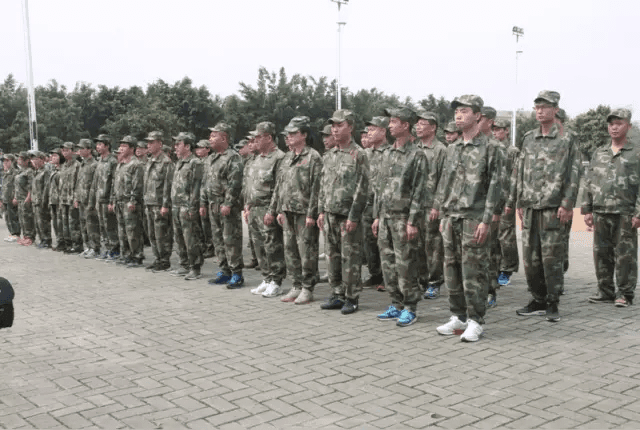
point(90, 254)
point(193, 275)
point(179, 272)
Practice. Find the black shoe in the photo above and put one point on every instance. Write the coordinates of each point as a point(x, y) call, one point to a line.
point(73, 250)
point(333, 302)
point(533, 308)
point(350, 306)
point(373, 281)
point(552, 312)
point(151, 267)
point(600, 297)
point(161, 268)
point(252, 265)
point(134, 263)
point(123, 261)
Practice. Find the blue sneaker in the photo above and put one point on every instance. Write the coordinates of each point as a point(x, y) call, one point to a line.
point(406, 318)
point(504, 279)
point(492, 301)
point(429, 292)
point(220, 278)
point(390, 314)
point(433, 292)
point(235, 282)
point(113, 256)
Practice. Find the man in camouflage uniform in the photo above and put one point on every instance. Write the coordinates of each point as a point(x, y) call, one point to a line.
point(467, 195)
point(295, 200)
point(611, 205)
point(341, 202)
point(561, 117)
point(451, 133)
point(547, 187)
point(266, 233)
point(39, 197)
point(329, 142)
point(221, 199)
point(53, 193)
point(202, 151)
point(247, 152)
point(185, 201)
point(431, 250)
point(71, 236)
point(85, 200)
point(142, 156)
point(398, 214)
point(22, 199)
point(8, 190)
point(103, 189)
point(126, 202)
point(158, 176)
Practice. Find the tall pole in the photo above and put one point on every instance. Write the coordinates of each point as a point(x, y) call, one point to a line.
point(31, 99)
point(518, 32)
point(340, 25)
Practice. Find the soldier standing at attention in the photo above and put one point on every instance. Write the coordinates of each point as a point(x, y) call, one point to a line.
point(39, 197)
point(247, 152)
point(103, 188)
point(342, 200)
point(295, 200)
point(398, 214)
point(202, 150)
point(85, 200)
point(451, 133)
point(72, 239)
point(22, 199)
point(468, 193)
point(548, 179)
point(126, 202)
point(8, 189)
point(328, 142)
point(431, 250)
point(53, 193)
point(611, 206)
point(221, 198)
point(141, 154)
point(158, 176)
point(185, 200)
point(561, 117)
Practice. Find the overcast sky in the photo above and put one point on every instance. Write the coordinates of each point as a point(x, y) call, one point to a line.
point(586, 50)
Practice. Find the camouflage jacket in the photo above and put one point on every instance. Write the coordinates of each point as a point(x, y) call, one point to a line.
point(374, 156)
point(436, 154)
point(158, 176)
point(187, 180)
point(298, 183)
point(510, 168)
point(548, 173)
point(222, 181)
point(612, 183)
point(127, 183)
point(8, 185)
point(261, 183)
point(22, 183)
point(345, 182)
point(84, 185)
point(103, 178)
point(53, 186)
point(68, 177)
point(403, 176)
point(246, 172)
point(470, 185)
point(39, 190)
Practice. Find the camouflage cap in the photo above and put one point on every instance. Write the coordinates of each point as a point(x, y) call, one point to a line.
point(68, 145)
point(451, 127)
point(552, 97)
point(296, 124)
point(203, 143)
point(155, 135)
point(129, 140)
point(24, 154)
point(488, 112)
point(222, 127)
point(621, 114)
point(501, 123)
point(326, 130)
point(185, 137)
point(36, 153)
point(142, 144)
point(404, 113)
point(470, 100)
point(242, 143)
point(56, 151)
point(85, 144)
point(103, 138)
point(342, 115)
point(8, 157)
point(425, 114)
point(265, 127)
point(379, 121)
point(166, 148)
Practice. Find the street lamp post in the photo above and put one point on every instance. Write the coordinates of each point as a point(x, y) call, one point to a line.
point(340, 25)
point(31, 99)
point(518, 32)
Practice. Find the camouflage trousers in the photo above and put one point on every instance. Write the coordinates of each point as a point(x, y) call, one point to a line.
point(130, 231)
point(207, 235)
point(543, 249)
point(567, 236)
point(226, 234)
point(269, 245)
point(159, 230)
point(188, 237)
point(399, 258)
point(90, 227)
point(507, 244)
point(251, 248)
point(108, 228)
point(42, 218)
point(431, 253)
point(70, 226)
point(301, 244)
point(466, 268)
point(56, 222)
point(344, 256)
point(27, 223)
point(371, 250)
point(12, 219)
point(615, 251)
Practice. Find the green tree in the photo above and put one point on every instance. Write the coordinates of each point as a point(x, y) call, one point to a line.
point(591, 129)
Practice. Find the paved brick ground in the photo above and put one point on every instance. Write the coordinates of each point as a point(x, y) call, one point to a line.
point(97, 346)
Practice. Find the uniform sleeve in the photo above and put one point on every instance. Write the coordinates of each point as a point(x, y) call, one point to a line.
point(502, 175)
point(274, 205)
point(587, 194)
point(137, 184)
point(494, 193)
point(316, 178)
point(571, 188)
point(419, 189)
point(168, 181)
point(233, 193)
point(194, 203)
point(321, 190)
point(361, 190)
point(204, 197)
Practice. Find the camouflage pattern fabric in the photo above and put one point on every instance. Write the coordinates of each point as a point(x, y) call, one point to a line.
point(226, 234)
point(56, 222)
point(431, 252)
point(130, 231)
point(108, 228)
point(40, 197)
point(11, 212)
point(344, 255)
point(269, 245)
point(22, 183)
point(158, 176)
point(102, 189)
point(70, 226)
point(187, 236)
point(507, 253)
point(301, 244)
point(27, 223)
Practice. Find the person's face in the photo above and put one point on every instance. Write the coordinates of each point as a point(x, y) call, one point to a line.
point(618, 128)
point(217, 139)
point(328, 141)
point(376, 135)
point(55, 159)
point(102, 148)
point(263, 141)
point(202, 152)
point(84, 152)
point(398, 127)
point(424, 128)
point(296, 140)
point(485, 124)
point(23, 162)
point(451, 136)
point(125, 150)
point(141, 152)
point(545, 113)
point(6, 163)
point(341, 132)
point(180, 148)
point(500, 133)
point(465, 117)
point(364, 139)
point(67, 153)
point(154, 147)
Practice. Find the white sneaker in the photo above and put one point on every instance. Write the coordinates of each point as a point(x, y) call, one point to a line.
point(454, 324)
point(272, 290)
point(472, 333)
point(90, 254)
point(322, 256)
point(260, 288)
point(85, 252)
point(12, 239)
